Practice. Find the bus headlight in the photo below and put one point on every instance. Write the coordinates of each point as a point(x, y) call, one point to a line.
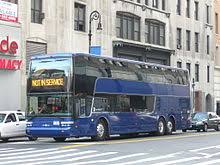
point(56, 123)
point(29, 124)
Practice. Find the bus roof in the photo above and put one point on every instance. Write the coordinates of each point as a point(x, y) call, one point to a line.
point(60, 55)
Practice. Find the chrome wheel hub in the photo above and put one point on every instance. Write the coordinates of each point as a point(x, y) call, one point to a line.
point(100, 130)
point(161, 127)
point(169, 126)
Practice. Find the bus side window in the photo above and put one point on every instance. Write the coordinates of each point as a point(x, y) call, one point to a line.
point(101, 104)
point(142, 104)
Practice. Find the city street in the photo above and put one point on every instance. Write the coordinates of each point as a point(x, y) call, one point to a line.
point(189, 148)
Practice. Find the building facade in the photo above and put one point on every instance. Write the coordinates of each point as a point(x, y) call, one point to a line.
point(12, 81)
point(130, 29)
point(177, 33)
point(192, 39)
point(217, 55)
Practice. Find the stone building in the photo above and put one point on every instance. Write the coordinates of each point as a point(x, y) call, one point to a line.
point(169, 32)
point(12, 58)
point(192, 39)
point(217, 55)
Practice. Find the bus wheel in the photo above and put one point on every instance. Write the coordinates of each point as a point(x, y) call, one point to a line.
point(169, 127)
point(161, 127)
point(32, 138)
point(101, 131)
point(59, 139)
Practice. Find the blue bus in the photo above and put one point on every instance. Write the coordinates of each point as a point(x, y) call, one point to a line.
point(77, 95)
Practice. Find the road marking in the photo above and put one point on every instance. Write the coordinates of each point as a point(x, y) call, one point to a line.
point(211, 155)
point(53, 158)
point(177, 161)
point(72, 159)
point(77, 145)
point(148, 159)
point(158, 138)
point(27, 152)
point(2, 149)
point(205, 148)
point(208, 162)
point(23, 149)
point(36, 155)
point(110, 160)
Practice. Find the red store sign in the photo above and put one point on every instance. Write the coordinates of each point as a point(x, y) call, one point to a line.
point(9, 48)
point(8, 11)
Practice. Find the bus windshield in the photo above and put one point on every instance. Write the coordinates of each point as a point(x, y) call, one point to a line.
point(49, 105)
point(50, 68)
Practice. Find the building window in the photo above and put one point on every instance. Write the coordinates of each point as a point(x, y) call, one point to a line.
point(188, 40)
point(208, 74)
point(207, 14)
point(155, 3)
point(179, 38)
point(196, 42)
point(36, 11)
point(155, 32)
point(196, 10)
point(128, 26)
point(11, 1)
point(188, 8)
point(138, 1)
point(79, 17)
point(188, 67)
point(197, 72)
point(163, 4)
point(178, 7)
point(216, 23)
point(208, 44)
point(179, 64)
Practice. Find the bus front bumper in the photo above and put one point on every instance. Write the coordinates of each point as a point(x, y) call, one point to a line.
point(51, 132)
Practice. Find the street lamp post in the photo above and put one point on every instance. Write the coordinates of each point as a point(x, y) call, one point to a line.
point(193, 89)
point(95, 15)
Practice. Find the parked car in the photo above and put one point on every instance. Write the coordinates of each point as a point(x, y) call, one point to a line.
point(204, 121)
point(13, 124)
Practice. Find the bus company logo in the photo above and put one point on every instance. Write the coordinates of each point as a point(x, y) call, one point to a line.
point(8, 47)
point(47, 82)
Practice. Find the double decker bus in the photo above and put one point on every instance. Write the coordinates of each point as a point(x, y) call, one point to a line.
point(77, 95)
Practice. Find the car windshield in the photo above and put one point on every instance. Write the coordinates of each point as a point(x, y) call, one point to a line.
point(199, 116)
point(2, 117)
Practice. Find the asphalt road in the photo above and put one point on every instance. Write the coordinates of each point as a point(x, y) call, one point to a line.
point(189, 148)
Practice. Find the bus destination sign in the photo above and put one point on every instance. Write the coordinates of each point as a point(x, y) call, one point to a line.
point(48, 82)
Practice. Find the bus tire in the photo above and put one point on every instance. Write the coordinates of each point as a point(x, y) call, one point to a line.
point(161, 127)
point(59, 139)
point(101, 131)
point(31, 138)
point(169, 126)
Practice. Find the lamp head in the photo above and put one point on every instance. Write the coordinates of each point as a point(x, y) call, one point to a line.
point(99, 26)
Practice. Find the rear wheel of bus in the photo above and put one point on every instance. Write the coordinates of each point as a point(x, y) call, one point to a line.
point(161, 127)
point(101, 131)
point(169, 126)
